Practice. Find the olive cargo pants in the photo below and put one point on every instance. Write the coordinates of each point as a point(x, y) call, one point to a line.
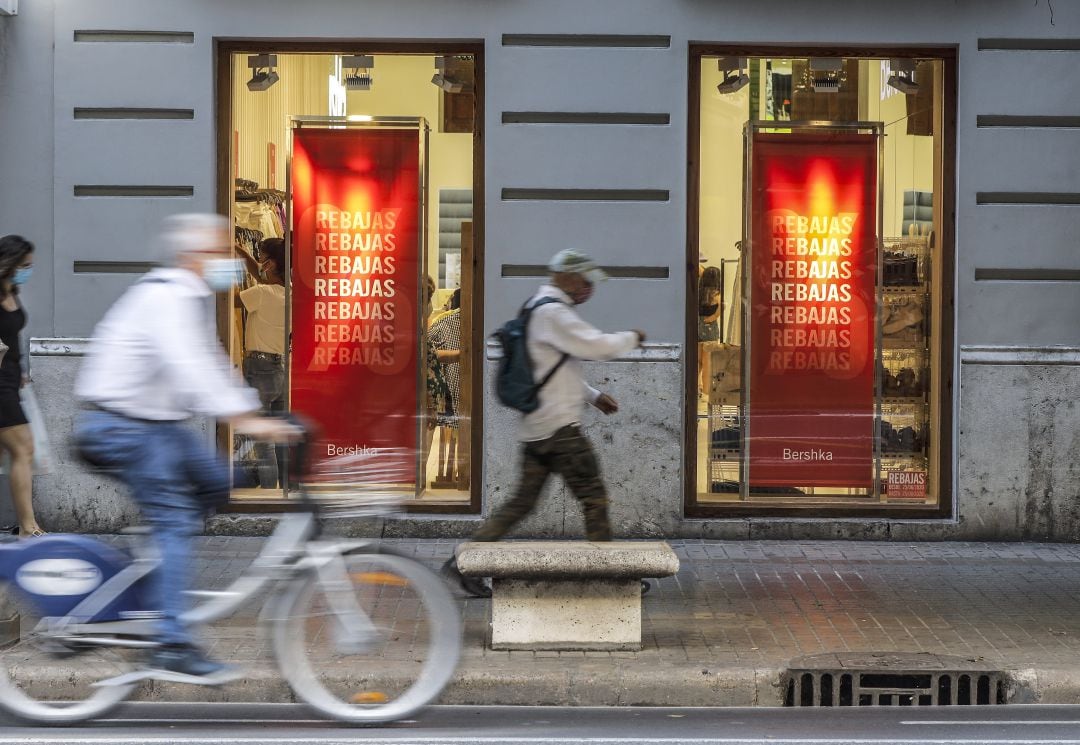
point(569, 453)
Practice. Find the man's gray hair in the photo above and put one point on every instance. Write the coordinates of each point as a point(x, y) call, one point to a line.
point(190, 233)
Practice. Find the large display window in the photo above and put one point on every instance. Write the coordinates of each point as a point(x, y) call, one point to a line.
point(819, 282)
point(352, 177)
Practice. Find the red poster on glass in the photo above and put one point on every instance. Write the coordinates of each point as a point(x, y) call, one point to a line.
point(355, 254)
point(812, 299)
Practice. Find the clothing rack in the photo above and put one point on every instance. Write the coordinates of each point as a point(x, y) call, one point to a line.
point(249, 238)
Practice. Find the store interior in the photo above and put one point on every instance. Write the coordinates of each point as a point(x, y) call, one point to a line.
point(268, 90)
point(904, 95)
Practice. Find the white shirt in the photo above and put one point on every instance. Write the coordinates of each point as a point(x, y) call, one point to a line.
point(264, 330)
point(554, 329)
point(155, 355)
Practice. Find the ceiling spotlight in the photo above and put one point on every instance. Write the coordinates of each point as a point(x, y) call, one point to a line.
point(360, 65)
point(735, 78)
point(262, 71)
point(826, 74)
point(445, 79)
point(902, 77)
point(446, 84)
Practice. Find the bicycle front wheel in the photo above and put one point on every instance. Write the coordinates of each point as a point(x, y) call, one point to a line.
point(402, 661)
point(49, 679)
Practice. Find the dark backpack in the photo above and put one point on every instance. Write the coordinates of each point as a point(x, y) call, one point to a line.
point(514, 383)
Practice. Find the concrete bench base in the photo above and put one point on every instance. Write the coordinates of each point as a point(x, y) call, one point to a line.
point(566, 595)
point(566, 615)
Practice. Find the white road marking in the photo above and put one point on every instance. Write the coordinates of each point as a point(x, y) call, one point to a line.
point(993, 722)
point(333, 740)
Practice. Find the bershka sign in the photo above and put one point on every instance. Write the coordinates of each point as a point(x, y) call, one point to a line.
point(355, 283)
point(812, 281)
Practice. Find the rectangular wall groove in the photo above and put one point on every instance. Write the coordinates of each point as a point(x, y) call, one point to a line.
point(1027, 197)
point(1026, 275)
point(113, 267)
point(1029, 45)
point(586, 195)
point(637, 41)
point(1011, 120)
point(616, 272)
point(583, 117)
point(123, 190)
point(139, 37)
point(119, 112)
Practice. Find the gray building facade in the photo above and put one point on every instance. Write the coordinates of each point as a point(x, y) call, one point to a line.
point(1009, 378)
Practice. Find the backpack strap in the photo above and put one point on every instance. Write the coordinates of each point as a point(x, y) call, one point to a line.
point(527, 311)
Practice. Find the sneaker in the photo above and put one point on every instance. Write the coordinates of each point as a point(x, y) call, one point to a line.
point(472, 586)
point(185, 660)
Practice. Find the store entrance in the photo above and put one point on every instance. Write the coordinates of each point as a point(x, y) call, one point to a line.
point(353, 183)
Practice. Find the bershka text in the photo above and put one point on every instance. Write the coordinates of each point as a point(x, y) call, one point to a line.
point(812, 454)
point(332, 450)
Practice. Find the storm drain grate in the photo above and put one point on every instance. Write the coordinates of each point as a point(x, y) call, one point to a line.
point(891, 680)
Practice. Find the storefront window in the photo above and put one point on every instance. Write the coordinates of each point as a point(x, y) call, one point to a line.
point(820, 244)
point(360, 316)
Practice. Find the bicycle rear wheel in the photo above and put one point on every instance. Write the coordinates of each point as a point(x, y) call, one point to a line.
point(46, 680)
point(410, 655)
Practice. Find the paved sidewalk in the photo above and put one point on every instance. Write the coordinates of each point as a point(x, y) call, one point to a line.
point(722, 629)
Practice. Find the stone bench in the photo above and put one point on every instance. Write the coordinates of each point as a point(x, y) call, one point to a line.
point(566, 595)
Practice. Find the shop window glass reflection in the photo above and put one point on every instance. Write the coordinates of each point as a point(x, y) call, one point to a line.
point(261, 316)
point(905, 97)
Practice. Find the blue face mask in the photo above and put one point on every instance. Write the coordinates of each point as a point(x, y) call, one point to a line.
point(222, 274)
point(21, 275)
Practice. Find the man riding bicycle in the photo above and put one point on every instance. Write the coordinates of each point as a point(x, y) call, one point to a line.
point(153, 363)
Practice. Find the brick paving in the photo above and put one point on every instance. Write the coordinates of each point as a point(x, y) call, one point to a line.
point(717, 633)
point(761, 603)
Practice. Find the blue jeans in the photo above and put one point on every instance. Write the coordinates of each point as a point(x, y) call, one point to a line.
point(175, 479)
point(266, 375)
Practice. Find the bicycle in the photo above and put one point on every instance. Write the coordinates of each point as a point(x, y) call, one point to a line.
point(83, 606)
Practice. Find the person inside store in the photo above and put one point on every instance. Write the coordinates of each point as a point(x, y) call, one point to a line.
point(552, 438)
point(445, 334)
point(16, 439)
point(708, 325)
point(154, 363)
point(264, 343)
point(438, 400)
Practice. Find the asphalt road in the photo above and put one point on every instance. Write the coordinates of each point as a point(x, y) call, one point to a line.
point(285, 724)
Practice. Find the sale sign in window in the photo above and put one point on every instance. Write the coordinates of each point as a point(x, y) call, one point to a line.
point(812, 299)
point(355, 283)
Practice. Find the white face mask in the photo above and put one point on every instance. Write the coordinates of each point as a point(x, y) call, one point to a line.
point(222, 274)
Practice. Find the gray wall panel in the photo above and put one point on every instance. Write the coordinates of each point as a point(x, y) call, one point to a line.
point(145, 152)
point(26, 148)
point(1020, 313)
point(557, 156)
point(617, 305)
point(1018, 236)
point(1037, 160)
point(1013, 82)
point(560, 79)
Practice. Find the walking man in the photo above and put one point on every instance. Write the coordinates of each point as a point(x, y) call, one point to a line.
point(552, 438)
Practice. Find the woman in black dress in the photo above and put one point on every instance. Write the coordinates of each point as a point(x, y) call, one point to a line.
point(16, 261)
